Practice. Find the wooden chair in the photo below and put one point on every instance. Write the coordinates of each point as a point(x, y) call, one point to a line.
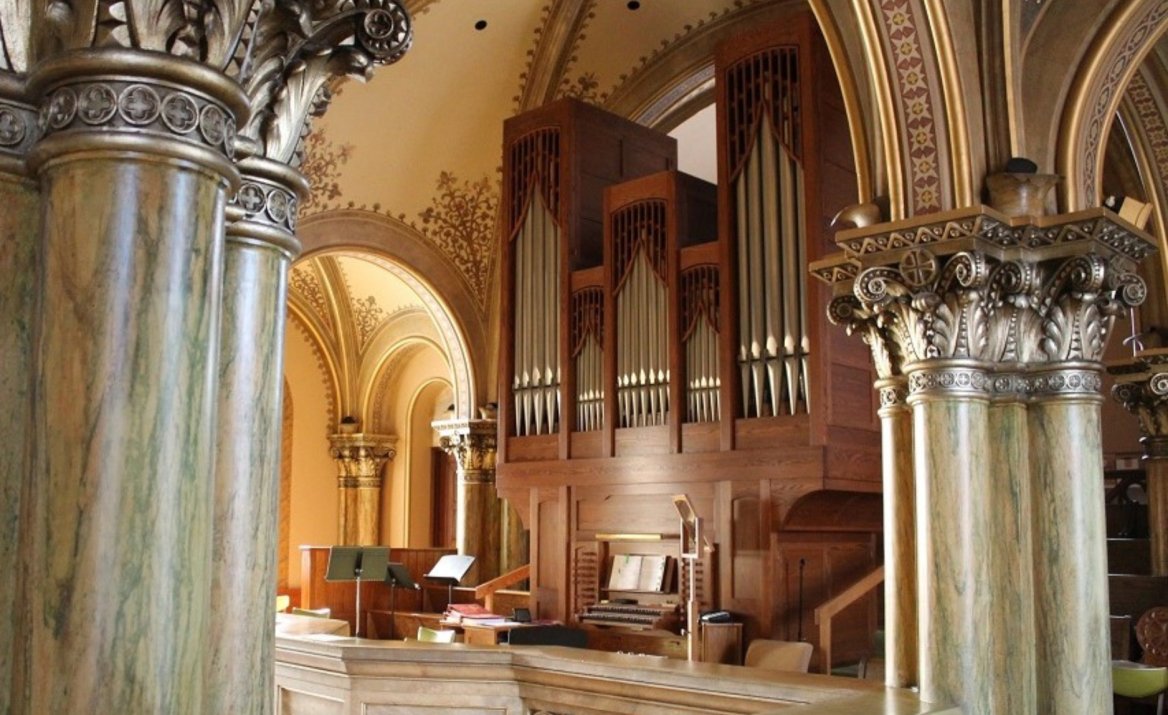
point(779, 655)
point(429, 635)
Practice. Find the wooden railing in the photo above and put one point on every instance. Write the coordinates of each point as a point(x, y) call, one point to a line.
point(486, 591)
point(829, 608)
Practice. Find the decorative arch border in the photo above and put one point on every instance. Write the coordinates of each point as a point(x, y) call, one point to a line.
point(405, 252)
point(383, 379)
point(1142, 110)
point(1091, 106)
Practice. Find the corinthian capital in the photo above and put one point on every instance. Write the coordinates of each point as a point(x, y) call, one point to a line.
point(1141, 386)
point(976, 285)
point(360, 457)
point(292, 48)
point(472, 444)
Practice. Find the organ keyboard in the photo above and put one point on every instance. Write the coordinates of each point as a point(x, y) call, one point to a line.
point(640, 616)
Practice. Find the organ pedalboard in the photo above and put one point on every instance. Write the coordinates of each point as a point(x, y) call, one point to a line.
point(638, 616)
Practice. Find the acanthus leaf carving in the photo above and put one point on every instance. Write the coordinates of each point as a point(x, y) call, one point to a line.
point(296, 48)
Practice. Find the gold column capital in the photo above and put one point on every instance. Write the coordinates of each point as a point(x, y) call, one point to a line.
point(360, 457)
point(473, 444)
point(976, 285)
point(1141, 386)
point(263, 211)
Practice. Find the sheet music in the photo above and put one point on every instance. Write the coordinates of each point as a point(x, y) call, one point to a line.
point(626, 572)
point(652, 577)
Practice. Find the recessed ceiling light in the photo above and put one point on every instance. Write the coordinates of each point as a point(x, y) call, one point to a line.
point(633, 5)
point(481, 25)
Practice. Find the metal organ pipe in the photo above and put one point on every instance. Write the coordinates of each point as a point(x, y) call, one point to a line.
point(642, 314)
point(537, 282)
point(703, 382)
point(769, 227)
point(587, 319)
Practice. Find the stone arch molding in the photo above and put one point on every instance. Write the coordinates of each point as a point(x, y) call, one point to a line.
point(403, 251)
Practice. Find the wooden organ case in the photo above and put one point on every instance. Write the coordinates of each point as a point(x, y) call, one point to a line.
point(661, 335)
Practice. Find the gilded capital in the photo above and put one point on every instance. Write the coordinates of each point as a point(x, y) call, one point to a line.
point(473, 444)
point(360, 457)
point(975, 285)
point(1141, 386)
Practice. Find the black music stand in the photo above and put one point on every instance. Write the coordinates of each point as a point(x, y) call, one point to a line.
point(357, 563)
point(397, 575)
point(450, 570)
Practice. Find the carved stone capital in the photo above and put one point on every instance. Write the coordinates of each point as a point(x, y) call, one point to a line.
point(976, 285)
point(473, 444)
point(301, 48)
point(360, 457)
point(1141, 386)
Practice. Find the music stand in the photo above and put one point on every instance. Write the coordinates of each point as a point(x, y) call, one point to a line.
point(450, 570)
point(357, 563)
point(395, 576)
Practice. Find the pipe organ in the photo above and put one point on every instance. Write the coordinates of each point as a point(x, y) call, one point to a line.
point(700, 335)
point(762, 148)
point(641, 292)
point(693, 351)
point(588, 356)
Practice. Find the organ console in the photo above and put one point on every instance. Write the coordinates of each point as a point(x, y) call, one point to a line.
point(639, 616)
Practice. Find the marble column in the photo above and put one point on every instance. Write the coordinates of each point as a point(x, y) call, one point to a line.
point(950, 412)
point(135, 168)
point(1011, 547)
point(18, 291)
point(1070, 542)
point(360, 459)
point(1141, 386)
point(900, 570)
point(259, 250)
point(999, 323)
point(473, 443)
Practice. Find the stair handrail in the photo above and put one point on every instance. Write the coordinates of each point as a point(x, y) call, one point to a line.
point(827, 610)
point(486, 591)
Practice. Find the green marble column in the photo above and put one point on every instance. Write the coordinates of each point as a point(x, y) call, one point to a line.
point(18, 290)
point(259, 250)
point(1070, 542)
point(950, 412)
point(900, 561)
point(1010, 555)
point(134, 170)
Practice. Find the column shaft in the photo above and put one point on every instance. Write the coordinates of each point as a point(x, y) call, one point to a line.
point(1156, 471)
point(1011, 560)
point(18, 291)
point(119, 513)
point(477, 525)
point(951, 455)
point(258, 252)
point(1070, 549)
point(900, 569)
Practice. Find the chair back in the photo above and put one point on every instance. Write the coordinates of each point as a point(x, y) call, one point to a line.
point(282, 602)
point(1152, 635)
point(779, 655)
point(429, 635)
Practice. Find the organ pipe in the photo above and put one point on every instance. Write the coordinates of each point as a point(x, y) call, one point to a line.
point(588, 357)
point(642, 314)
point(769, 225)
point(536, 380)
point(703, 382)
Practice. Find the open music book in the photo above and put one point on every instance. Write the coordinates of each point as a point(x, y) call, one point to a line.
point(638, 572)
